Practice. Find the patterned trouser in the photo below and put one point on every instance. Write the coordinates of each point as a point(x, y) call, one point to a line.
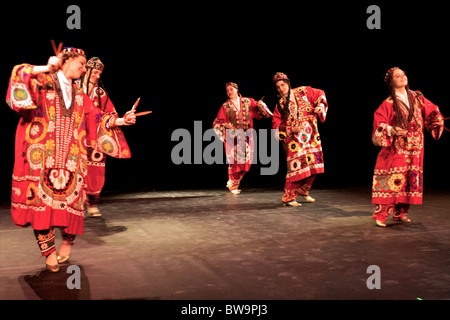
point(46, 240)
point(296, 188)
point(93, 199)
point(383, 211)
point(234, 179)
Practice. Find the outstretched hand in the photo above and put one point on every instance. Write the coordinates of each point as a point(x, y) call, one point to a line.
point(261, 103)
point(130, 118)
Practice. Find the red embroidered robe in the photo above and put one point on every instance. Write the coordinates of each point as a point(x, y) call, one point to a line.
point(303, 150)
point(398, 176)
point(239, 152)
point(48, 185)
point(96, 160)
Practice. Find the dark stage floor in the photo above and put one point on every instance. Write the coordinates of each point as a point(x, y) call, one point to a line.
point(211, 245)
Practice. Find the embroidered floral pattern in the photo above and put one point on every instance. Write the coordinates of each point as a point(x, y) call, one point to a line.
point(50, 173)
point(398, 175)
point(396, 182)
point(303, 148)
point(233, 125)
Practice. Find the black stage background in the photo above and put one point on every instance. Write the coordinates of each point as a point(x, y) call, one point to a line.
point(178, 56)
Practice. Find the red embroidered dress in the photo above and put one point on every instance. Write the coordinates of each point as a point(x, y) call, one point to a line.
point(96, 160)
point(303, 150)
point(48, 185)
point(239, 156)
point(398, 176)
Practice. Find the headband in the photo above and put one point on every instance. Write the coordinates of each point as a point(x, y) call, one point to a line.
point(388, 74)
point(95, 63)
point(280, 76)
point(74, 50)
point(234, 85)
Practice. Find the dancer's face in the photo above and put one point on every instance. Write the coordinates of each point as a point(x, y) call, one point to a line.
point(231, 92)
point(399, 79)
point(282, 87)
point(95, 76)
point(75, 67)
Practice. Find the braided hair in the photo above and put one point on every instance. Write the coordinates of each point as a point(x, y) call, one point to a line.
point(284, 108)
point(85, 83)
point(400, 119)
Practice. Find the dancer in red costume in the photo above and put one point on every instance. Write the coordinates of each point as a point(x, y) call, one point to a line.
point(96, 160)
point(235, 114)
point(57, 124)
point(295, 118)
point(398, 128)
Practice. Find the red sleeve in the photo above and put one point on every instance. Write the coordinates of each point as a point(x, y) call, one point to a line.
point(92, 116)
point(382, 120)
point(23, 89)
point(317, 96)
point(277, 120)
point(259, 112)
point(279, 125)
point(219, 122)
point(253, 108)
point(431, 115)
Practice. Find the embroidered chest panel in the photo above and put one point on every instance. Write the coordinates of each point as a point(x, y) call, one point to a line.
point(55, 137)
point(239, 118)
point(413, 142)
point(301, 110)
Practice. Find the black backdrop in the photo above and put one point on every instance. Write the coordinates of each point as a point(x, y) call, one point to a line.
point(178, 56)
